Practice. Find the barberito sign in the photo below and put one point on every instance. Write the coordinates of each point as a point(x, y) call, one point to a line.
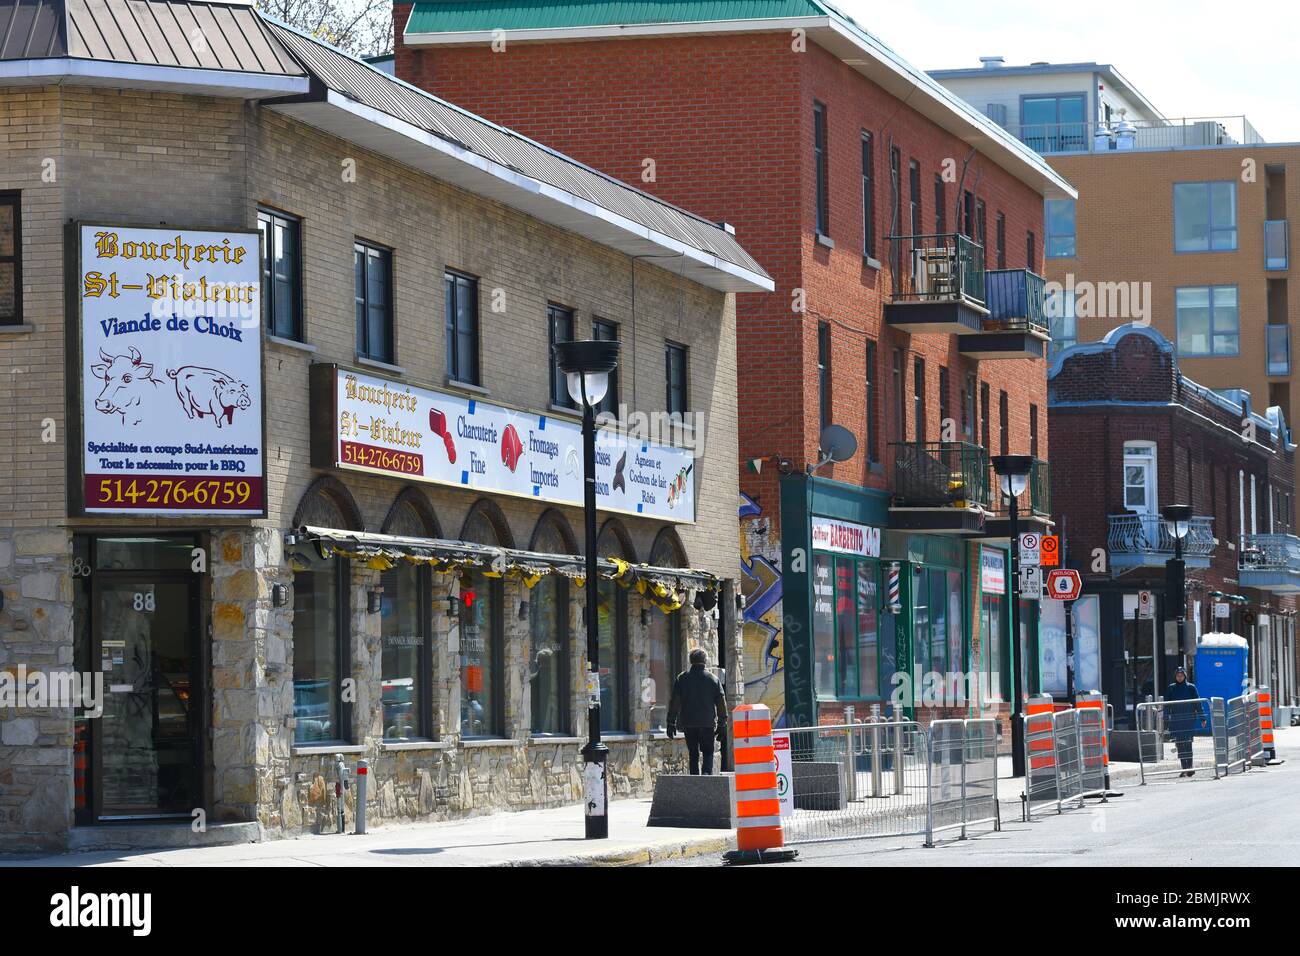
point(366, 423)
point(171, 356)
point(845, 537)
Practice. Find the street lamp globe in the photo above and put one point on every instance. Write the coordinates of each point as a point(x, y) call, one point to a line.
point(586, 366)
point(1179, 519)
point(1013, 473)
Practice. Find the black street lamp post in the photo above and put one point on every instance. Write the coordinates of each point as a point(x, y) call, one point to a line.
point(587, 366)
point(1013, 476)
point(1179, 520)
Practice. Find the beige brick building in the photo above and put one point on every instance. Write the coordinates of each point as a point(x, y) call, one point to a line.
point(459, 714)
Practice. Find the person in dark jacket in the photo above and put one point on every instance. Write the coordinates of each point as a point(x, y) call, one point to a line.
point(698, 705)
point(1184, 719)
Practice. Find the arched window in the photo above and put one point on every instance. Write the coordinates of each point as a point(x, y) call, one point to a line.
point(664, 649)
point(406, 627)
point(321, 648)
point(548, 621)
point(482, 633)
point(615, 656)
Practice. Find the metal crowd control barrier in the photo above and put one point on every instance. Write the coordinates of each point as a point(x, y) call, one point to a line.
point(1094, 757)
point(1184, 723)
point(1237, 736)
point(1253, 728)
point(1219, 728)
point(891, 778)
point(1067, 757)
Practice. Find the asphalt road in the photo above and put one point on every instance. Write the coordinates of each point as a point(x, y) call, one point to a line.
point(1250, 819)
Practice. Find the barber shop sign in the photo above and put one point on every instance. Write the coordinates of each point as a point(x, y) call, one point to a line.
point(171, 371)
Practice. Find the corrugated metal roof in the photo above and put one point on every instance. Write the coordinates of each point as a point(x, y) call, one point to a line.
point(209, 36)
point(454, 16)
point(370, 87)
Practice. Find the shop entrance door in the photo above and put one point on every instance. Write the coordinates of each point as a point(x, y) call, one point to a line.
point(146, 745)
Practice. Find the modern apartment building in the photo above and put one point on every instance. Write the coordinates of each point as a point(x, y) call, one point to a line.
point(904, 232)
point(1182, 224)
point(288, 469)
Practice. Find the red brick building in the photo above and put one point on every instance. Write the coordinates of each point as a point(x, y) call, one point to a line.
point(1130, 435)
point(817, 144)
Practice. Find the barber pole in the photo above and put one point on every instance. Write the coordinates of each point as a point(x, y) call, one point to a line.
point(894, 601)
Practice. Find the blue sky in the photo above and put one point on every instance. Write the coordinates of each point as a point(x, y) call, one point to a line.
point(1189, 58)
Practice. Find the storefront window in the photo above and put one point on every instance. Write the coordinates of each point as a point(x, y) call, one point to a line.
point(920, 633)
point(403, 658)
point(1086, 615)
point(318, 611)
point(991, 635)
point(481, 623)
point(611, 616)
point(823, 625)
point(664, 641)
point(938, 621)
point(548, 622)
point(868, 638)
point(846, 603)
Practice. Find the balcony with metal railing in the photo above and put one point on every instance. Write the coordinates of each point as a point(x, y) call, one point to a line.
point(1145, 541)
point(1122, 134)
point(938, 284)
point(1270, 562)
point(1017, 323)
point(1277, 245)
point(1033, 505)
point(940, 487)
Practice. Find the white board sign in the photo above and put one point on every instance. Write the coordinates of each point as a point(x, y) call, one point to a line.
point(171, 371)
point(845, 537)
point(784, 772)
point(993, 577)
point(395, 428)
point(1030, 545)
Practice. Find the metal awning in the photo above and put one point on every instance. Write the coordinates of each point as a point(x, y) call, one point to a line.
point(657, 584)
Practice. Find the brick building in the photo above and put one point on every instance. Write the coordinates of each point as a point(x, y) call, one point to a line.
point(873, 197)
point(1130, 434)
point(354, 532)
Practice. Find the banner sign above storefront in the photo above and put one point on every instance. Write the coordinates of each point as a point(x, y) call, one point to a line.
point(171, 371)
point(993, 575)
point(362, 422)
point(845, 537)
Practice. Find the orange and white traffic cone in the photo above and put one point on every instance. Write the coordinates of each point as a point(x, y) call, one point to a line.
point(756, 812)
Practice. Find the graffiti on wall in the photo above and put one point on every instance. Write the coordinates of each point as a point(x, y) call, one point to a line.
point(760, 560)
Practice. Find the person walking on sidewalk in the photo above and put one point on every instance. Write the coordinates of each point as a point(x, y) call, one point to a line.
point(1185, 719)
point(698, 705)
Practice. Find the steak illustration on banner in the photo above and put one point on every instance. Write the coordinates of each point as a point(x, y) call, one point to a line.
point(206, 391)
point(127, 380)
point(512, 449)
point(438, 425)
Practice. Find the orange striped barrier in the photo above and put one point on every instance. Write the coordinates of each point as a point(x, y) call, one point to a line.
point(1097, 700)
point(1040, 749)
point(1266, 722)
point(757, 808)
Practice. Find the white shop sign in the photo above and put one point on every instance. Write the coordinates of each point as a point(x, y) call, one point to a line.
point(171, 371)
point(993, 574)
point(394, 428)
point(845, 537)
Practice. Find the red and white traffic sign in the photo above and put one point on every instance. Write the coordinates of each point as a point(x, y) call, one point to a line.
point(1064, 584)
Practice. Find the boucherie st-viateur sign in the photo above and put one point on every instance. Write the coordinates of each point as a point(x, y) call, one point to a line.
point(364, 422)
point(171, 371)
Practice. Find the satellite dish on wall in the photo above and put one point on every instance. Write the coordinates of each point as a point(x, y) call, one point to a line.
point(836, 444)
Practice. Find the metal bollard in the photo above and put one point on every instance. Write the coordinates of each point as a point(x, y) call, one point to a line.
point(363, 774)
point(899, 757)
point(340, 785)
point(850, 759)
point(876, 783)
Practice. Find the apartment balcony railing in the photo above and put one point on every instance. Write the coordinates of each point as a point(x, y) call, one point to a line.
point(939, 268)
point(1146, 541)
point(1124, 134)
point(1035, 500)
point(1016, 300)
point(940, 474)
point(1277, 245)
point(1270, 562)
point(1278, 341)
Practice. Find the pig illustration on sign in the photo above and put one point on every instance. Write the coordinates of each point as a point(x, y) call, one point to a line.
point(206, 391)
point(127, 382)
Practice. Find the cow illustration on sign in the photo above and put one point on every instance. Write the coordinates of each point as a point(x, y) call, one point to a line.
point(127, 381)
point(206, 391)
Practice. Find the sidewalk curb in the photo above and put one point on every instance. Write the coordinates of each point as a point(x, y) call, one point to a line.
point(634, 856)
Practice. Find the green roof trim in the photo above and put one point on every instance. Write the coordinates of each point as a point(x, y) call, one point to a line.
point(472, 16)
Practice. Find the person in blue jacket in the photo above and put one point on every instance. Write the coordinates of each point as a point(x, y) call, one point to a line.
point(1185, 719)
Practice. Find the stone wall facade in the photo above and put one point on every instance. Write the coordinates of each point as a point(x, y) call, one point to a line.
point(123, 156)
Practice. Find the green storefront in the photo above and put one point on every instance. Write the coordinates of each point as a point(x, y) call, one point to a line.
point(869, 612)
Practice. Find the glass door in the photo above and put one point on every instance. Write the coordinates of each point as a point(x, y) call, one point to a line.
point(147, 741)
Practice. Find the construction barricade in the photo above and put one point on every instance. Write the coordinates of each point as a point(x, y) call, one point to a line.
point(1040, 754)
point(1238, 735)
point(1266, 723)
point(1219, 727)
point(1094, 751)
point(756, 812)
point(963, 777)
point(1254, 729)
point(1176, 740)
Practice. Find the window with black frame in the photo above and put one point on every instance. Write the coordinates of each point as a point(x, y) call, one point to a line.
point(281, 274)
point(406, 636)
point(560, 322)
point(611, 617)
point(373, 268)
point(11, 258)
point(664, 651)
point(675, 367)
point(605, 331)
point(461, 310)
point(320, 608)
point(548, 627)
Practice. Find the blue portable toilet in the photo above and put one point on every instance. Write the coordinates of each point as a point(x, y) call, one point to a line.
point(1221, 665)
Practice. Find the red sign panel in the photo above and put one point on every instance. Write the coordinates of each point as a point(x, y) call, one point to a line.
point(1064, 584)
